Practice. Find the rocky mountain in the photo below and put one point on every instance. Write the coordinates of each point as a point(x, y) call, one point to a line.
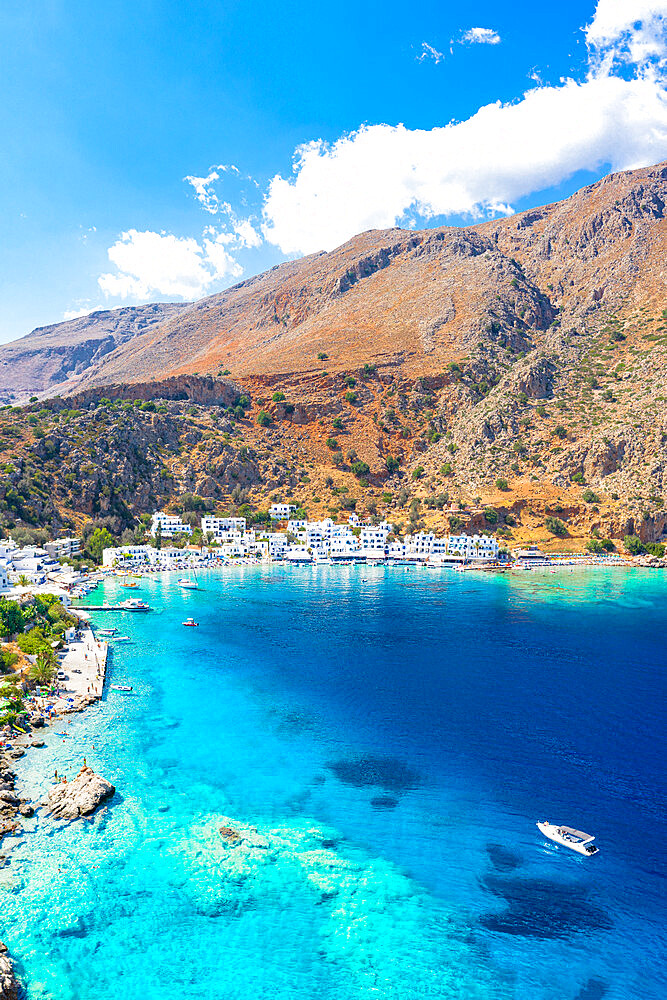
point(47, 357)
point(516, 368)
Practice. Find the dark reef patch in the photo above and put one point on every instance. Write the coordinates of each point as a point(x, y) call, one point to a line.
point(384, 802)
point(594, 989)
point(386, 772)
point(539, 908)
point(502, 859)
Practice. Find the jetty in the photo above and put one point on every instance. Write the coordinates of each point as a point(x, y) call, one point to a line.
point(134, 606)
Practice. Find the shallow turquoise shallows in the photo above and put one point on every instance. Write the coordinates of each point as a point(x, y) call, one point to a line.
point(384, 740)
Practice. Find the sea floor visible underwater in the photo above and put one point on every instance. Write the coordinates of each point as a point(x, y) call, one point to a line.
point(384, 740)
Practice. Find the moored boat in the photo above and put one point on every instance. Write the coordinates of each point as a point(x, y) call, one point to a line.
point(567, 836)
point(120, 687)
point(190, 622)
point(132, 604)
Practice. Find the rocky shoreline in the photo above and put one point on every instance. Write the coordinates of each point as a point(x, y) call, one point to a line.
point(9, 986)
point(67, 801)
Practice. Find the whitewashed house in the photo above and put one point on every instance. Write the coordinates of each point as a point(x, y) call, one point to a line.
point(220, 527)
point(64, 548)
point(169, 524)
point(281, 511)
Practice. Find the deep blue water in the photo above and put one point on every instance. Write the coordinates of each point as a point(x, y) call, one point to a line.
point(393, 735)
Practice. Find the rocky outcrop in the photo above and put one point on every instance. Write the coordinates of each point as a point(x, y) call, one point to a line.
point(9, 987)
point(80, 797)
point(194, 388)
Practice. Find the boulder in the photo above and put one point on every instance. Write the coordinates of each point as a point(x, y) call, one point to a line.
point(79, 797)
point(9, 987)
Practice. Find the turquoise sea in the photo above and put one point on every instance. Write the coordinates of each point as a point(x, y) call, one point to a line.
point(384, 740)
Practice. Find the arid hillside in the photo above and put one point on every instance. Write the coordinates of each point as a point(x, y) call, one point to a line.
point(517, 367)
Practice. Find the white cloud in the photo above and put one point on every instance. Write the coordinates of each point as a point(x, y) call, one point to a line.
point(481, 36)
point(631, 31)
point(429, 52)
point(203, 186)
point(383, 175)
point(79, 311)
point(149, 264)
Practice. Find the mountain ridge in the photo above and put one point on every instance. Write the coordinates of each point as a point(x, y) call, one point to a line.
point(520, 363)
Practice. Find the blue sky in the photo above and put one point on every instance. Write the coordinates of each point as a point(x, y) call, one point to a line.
point(106, 111)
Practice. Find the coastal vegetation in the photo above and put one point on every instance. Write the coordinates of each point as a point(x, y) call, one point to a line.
point(33, 626)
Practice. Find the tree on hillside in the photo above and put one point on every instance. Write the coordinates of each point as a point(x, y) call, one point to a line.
point(100, 540)
point(11, 617)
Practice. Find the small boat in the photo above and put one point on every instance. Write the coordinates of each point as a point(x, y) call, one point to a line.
point(120, 687)
point(190, 622)
point(120, 638)
point(567, 836)
point(188, 584)
point(133, 605)
point(107, 631)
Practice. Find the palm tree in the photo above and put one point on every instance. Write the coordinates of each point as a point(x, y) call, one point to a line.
point(44, 670)
point(11, 702)
point(23, 581)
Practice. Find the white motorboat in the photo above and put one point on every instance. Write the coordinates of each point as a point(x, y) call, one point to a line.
point(120, 638)
point(187, 584)
point(107, 631)
point(567, 836)
point(133, 605)
point(120, 687)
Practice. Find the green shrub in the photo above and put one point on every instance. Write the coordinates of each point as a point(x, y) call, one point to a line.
point(264, 418)
point(590, 497)
point(560, 431)
point(349, 381)
point(333, 444)
point(391, 463)
point(636, 547)
point(633, 545)
point(359, 468)
point(598, 545)
point(418, 472)
point(322, 356)
point(351, 397)
point(491, 515)
point(278, 397)
point(555, 526)
point(446, 469)
point(578, 477)
point(337, 424)
point(502, 484)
